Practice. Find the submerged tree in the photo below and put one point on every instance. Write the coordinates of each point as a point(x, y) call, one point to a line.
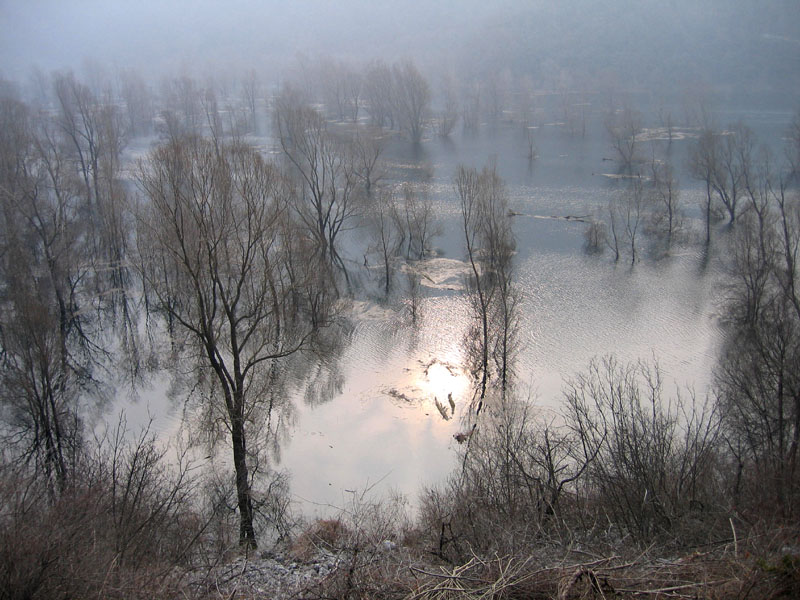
point(412, 99)
point(418, 227)
point(387, 232)
point(378, 91)
point(327, 174)
point(664, 194)
point(724, 162)
point(49, 340)
point(87, 137)
point(490, 247)
point(624, 129)
point(216, 267)
point(448, 116)
point(702, 163)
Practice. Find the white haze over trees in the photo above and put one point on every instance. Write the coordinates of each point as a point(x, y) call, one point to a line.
point(737, 48)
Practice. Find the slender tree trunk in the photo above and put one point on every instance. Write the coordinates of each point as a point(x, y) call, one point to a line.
point(247, 535)
point(708, 213)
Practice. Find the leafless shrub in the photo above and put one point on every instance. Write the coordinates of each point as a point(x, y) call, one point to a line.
point(651, 457)
point(367, 536)
point(515, 485)
point(124, 529)
point(595, 237)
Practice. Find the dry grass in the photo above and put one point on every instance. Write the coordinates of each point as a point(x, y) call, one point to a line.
point(715, 575)
point(322, 533)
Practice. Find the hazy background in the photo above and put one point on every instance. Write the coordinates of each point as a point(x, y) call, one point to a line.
point(737, 50)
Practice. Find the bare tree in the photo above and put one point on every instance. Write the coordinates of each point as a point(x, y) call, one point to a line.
point(49, 341)
point(412, 99)
point(724, 162)
point(624, 128)
point(518, 469)
point(733, 168)
point(251, 94)
point(595, 237)
point(182, 114)
point(213, 265)
point(614, 226)
point(386, 226)
point(632, 209)
point(138, 102)
point(703, 163)
point(664, 195)
point(212, 121)
point(367, 147)
point(650, 457)
point(667, 123)
point(490, 246)
point(379, 94)
point(471, 109)
point(758, 371)
point(448, 116)
point(333, 81)
point(325, 169)
point(94, 132)
point(353, 87)
point(419, 226)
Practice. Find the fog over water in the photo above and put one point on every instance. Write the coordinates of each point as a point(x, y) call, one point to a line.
point(377, 421)
point(739, 49)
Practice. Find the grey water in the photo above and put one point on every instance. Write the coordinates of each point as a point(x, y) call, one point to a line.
point(371, 421)
point(381, 426)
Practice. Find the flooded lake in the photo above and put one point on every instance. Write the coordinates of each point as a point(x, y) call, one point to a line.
point(383, 424)
point(375, 420)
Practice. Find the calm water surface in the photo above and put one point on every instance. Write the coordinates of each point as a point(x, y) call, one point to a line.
point(383, 425)
point(375, 422)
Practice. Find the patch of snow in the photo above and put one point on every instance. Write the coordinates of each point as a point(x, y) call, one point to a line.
point(441, 273)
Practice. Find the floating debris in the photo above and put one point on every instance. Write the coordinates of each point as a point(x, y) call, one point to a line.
point(441, 408)
point(462, 437)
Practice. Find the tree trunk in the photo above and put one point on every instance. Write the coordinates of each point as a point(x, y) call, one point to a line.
point(247, 535)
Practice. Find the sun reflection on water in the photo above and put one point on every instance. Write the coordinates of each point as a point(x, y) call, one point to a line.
point(444, 386)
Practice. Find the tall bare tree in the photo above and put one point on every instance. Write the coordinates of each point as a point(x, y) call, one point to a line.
point(490, 246)
point(327, 175)
point(95, 134)
point(379, 95)
point(367, 147)
point(412, 99)
point(214, 264)
point(250, 93)
point(758, 372)
point(419, 227)
point(386, 224)
point(49, 340)
point(724, 161)
point(138, 102)
point(702, 164)
point(664, 193)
